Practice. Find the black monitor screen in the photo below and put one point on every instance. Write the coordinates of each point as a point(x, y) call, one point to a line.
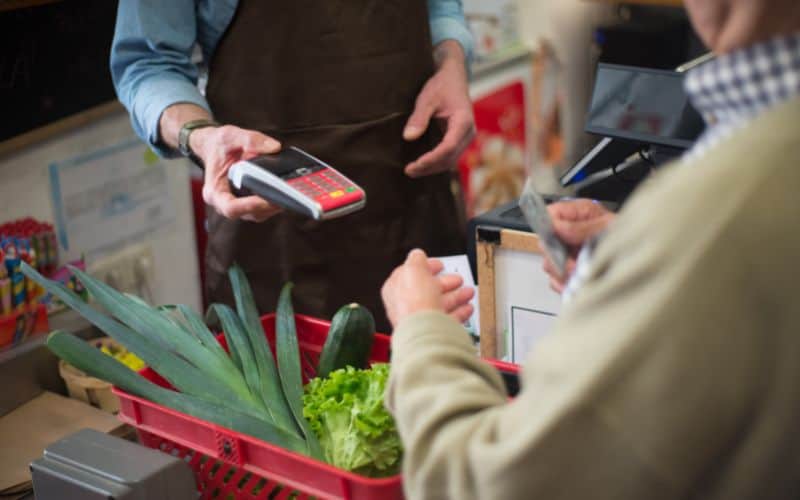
point(644, 105)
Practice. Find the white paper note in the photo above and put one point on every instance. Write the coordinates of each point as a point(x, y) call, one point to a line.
point(459, 264)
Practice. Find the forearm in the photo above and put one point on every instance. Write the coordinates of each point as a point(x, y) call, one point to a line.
point(442, 397)
point(450, 54)
point(425, 347)
point(448, 23)
point(173, 118)
point(448, 51)
point(463, 439)
point(151, 65)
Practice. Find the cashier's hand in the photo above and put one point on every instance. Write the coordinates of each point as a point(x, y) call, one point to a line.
point(221, 147)
point(417, 286)
point(575, 222)
point(444, 98)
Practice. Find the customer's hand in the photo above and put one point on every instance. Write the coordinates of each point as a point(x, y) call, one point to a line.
point(221, 147)
point(415, 286)
point(444, 97)
point(574, 222)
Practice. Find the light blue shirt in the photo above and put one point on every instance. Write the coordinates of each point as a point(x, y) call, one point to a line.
point(151, 55)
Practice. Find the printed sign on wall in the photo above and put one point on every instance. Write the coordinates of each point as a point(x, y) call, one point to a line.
point(109, 198)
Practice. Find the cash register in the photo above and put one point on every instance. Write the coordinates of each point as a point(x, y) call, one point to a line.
point(644, 119)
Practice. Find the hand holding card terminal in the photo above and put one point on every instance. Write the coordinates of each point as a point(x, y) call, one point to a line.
point(297, 181)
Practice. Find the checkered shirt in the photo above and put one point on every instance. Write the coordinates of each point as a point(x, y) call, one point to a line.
point(734, 88)
point(728, 91)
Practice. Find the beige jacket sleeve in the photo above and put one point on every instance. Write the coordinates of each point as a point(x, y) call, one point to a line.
point(653, 374)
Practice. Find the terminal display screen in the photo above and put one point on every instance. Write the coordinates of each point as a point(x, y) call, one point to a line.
point(644, 105)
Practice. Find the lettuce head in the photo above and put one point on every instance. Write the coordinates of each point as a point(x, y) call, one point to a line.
point(346, 412)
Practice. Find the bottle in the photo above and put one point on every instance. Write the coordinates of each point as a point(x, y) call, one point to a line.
point(5, 288)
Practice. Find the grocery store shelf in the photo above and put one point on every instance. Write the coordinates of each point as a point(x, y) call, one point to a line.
point(66, 320)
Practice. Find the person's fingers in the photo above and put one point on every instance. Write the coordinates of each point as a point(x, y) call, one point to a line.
point(550, 269)
point(576, 233)
point(562, 210)
point(256, 143)
point(556, 286)
point(211, 181)
point(387, 294)
point(576, 209)
point(450, 282)
point(435, 265)
point(208, 195)
point(456, 138)
point(463, 313)
point(573, 233)
point(420, 118)
point(417, 258)
point(569, 268)
point(251, 208)
point(262, 215)
point(231, 207)
point(388, 285)
point(588, 208)
point(445, 155)
point(457, 298)
point(226, 146)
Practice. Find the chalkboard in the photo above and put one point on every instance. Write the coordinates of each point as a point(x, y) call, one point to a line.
point(53, 61)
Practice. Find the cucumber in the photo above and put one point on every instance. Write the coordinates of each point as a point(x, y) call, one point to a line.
point(349, 341)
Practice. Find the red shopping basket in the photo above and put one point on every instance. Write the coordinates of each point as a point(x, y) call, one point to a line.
point(231, 465)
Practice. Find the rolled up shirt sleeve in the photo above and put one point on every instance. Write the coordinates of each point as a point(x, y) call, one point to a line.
point(151, 62)
point(448, 23)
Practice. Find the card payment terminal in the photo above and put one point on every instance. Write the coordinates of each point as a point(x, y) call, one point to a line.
point(297, 181)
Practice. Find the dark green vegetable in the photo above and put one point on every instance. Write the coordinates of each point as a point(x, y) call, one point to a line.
point(288, 353)
point(177, 370)
point(349, 341)
point(151, 323)
point(238, 344)
point(195, 322)
point(171, 313)
point(277, 410)
point(92, 361)
point(249, 390)
point(268, 384)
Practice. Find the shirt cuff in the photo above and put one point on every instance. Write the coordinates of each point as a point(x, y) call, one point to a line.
point(447, 28)
point(156, 95)
point(583, 267)
point(429, 327)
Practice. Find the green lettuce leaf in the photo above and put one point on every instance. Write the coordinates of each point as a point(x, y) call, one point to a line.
point(346, 412)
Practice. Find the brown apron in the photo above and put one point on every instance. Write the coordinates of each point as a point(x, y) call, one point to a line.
point(339, 79)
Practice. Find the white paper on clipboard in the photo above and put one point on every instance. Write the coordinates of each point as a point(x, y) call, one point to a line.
point(528, 327)
point(459, 264)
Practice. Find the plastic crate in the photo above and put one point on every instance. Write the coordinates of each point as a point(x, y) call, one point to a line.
point(231, 465)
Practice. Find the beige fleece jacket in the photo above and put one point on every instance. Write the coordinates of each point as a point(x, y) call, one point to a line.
point(675, 372)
